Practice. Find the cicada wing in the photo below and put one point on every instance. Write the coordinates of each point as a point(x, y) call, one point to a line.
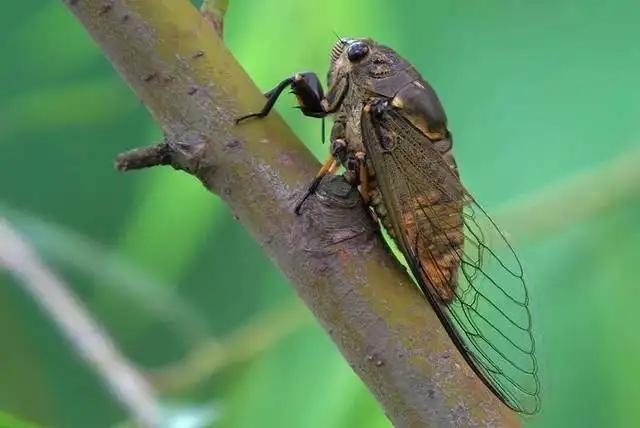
point(460, 259)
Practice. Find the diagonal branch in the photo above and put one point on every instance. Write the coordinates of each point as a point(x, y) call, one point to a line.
point(332, 254)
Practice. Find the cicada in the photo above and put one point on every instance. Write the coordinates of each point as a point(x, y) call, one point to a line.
point(390, 134)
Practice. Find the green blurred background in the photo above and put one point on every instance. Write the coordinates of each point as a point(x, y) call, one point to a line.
point(543, 98)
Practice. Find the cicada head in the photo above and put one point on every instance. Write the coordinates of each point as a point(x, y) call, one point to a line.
point(361, 58)
point(346, 53)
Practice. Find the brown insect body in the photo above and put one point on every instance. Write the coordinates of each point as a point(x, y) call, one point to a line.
point(390, 134)
point(384, 74)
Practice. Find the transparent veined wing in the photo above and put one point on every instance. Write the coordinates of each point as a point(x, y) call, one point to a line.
point(461, 260)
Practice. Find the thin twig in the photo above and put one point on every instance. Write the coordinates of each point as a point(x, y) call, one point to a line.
point(213, 11)
point(143, 157)
point(85, 334)
point(575, 199)
point(60, 246)
point(256, 336)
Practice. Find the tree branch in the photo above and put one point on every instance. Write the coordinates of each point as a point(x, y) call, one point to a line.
point(332, 254)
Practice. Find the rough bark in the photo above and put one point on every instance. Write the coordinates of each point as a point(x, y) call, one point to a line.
point(331, 254)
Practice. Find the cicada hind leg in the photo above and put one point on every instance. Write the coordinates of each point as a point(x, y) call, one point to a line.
point(363, 176)
point(330, 166)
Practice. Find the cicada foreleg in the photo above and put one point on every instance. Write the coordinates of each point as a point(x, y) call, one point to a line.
point(311, 102)
point(307, 89)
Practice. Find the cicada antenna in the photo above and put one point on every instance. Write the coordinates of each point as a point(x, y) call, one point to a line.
point(340, 39)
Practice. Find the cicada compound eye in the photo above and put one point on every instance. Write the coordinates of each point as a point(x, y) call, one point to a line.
point(357, 51)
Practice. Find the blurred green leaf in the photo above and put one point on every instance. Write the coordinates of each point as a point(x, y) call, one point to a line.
point(54, 42)
point(315, 387)
point(11, 421)
point(174, 215)
point(168, 226)
point(83, 103)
